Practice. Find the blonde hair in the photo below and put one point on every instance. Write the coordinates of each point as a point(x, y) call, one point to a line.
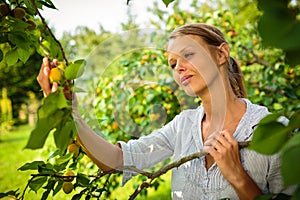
point(213, 36)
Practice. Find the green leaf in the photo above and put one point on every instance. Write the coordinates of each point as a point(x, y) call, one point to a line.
point(43, 126)
point(167, 2)
point(82, 180)
point(45, 195)
point(63, 136)
point(31, 166)
point(58, 187)
point(77, 196)
point(50, 186)
point(269, 138)
point(53, 102)
point(64, 159)
point(277, 14)
point(296, 194)
point(19, 39)
point(37, 183)
point(39, 134)
point(46, 169)
point(295, 120)
point(9, 193)
point(23, 54)
point(269, 118)
point(290, 166)
point(75, 69)
point(61, 166)
point(48, 4)
point(12, 57)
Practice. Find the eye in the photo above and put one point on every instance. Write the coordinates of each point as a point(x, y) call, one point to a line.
point(188, 54)
point(173, 65)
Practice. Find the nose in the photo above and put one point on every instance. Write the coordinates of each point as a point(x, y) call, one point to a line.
point(180, 65)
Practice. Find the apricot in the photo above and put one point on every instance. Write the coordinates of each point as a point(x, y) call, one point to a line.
point(56, 75)
point(73, 148)
point(4, 9)
point(19, 13)
point(67, 187)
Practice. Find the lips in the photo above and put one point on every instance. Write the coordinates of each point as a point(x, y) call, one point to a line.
point(185, 79)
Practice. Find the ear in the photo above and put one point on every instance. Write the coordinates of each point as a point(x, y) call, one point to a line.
point(223, 53)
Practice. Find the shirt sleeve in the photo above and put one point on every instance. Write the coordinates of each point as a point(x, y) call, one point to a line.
point(148, 150)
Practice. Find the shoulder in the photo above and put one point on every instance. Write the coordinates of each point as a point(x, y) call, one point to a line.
point(257, 112)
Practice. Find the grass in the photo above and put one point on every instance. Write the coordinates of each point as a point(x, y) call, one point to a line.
point(13, 155)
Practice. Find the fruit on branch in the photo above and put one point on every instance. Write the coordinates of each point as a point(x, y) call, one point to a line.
point(19, 13)
point(31, 23)
point(70, 175)
point(56, 75)
point(67, 187)
point(74, 148)
point(4, 9)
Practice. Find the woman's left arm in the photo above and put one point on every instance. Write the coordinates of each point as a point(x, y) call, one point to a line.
point(225, 151)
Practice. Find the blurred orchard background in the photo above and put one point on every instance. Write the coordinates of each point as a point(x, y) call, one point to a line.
point(127, 88)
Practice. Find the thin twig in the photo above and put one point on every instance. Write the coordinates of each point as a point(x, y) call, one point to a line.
point(138, 190)
point(50, 32)
point(27, 185)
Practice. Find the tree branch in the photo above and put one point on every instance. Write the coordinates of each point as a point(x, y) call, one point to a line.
point(50, 32)
point(149, 175)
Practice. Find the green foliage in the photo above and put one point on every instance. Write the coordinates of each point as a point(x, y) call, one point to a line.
point(21, 49)
point(281, 14)
point(137, 93)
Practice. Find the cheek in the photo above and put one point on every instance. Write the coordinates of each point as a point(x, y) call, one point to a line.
point(176, 77)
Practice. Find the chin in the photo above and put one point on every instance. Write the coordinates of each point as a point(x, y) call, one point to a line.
point(190, 92)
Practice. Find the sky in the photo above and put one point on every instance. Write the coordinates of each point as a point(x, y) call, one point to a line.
point(109, 13)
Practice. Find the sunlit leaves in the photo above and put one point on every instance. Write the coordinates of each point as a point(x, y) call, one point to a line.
point(37, 183)
point(75, 70)
point(12, 57)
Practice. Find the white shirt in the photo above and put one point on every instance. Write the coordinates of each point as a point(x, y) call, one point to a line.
point(182, 137)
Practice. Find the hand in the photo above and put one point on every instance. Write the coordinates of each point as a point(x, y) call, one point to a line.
point(43, 77)
point(225, 151)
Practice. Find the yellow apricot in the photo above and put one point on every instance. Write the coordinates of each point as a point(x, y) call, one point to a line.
point(74, 148)
point(56, 75)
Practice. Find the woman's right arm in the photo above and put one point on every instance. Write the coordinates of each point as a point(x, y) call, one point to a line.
point(104, 154)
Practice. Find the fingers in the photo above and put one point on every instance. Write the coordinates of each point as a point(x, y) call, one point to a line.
point(43, 77)
point(221, 142)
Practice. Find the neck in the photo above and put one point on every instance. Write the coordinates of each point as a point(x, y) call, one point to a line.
point(222, 107)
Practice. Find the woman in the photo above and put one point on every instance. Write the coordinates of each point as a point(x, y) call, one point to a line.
point(200, 59)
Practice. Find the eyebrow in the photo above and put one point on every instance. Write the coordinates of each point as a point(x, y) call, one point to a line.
point(182, 50)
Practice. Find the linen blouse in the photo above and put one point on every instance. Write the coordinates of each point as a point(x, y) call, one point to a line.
point(182, 137)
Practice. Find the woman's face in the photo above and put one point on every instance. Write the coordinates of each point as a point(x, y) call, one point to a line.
point(194, 68)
